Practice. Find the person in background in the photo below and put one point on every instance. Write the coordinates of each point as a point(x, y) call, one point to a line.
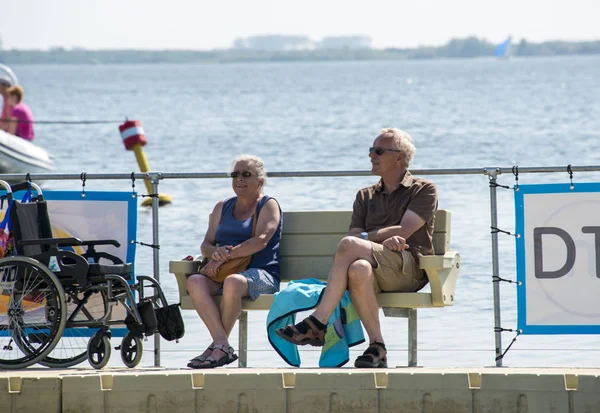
point(7, 79)
point(229, 235)
point(20, 121)
point(391, 226)
point(5, 114)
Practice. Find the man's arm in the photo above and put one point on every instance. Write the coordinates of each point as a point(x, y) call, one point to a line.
point(409, 224)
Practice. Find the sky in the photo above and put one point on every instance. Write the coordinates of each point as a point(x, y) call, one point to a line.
point(205, 25)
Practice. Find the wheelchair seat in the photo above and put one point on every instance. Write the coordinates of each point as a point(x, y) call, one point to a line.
point(124, 270)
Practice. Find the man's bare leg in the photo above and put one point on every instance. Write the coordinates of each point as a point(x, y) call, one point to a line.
point(349, 250)
point(360, 285)
point(312, 330)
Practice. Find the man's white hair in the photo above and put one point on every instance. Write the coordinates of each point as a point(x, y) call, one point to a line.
point(402, 141)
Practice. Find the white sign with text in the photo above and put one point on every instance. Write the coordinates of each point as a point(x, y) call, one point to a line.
point(558, 254)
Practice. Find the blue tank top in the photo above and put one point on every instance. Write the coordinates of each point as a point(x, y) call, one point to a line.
point(234, 232)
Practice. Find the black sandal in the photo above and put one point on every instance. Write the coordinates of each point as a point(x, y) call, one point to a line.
point(197, 361)
point(210, 362)
point(375, 356)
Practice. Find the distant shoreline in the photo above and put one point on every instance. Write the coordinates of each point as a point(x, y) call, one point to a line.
point(455, 48)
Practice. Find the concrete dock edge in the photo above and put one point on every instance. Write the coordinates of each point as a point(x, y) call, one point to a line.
point(405, 390)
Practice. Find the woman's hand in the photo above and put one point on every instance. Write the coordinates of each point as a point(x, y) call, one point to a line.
point(395, 243)
point(210, 269)
point(222, 253)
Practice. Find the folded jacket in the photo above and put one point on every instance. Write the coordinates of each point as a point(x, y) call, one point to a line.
point(344, 328)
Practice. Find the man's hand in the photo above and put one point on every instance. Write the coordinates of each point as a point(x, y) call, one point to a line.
point(395, 243)
point(222, 253)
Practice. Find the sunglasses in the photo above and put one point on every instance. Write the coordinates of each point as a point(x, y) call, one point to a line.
point(244, 174)
point(380, 151)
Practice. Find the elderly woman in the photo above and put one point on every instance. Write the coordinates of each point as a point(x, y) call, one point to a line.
point(229, 236)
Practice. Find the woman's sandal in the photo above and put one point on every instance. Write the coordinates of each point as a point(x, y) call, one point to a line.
point(197, 362)
point(313, 335)
point(375, 356)
point(210, 362)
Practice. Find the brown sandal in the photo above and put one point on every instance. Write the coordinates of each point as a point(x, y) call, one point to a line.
point(313, 336)
point(375, 356)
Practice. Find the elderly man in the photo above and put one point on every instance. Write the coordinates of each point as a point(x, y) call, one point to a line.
point(392, 225)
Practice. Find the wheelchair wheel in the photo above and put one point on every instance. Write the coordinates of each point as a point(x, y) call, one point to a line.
point(131, 350)
point(32, 312)
point(85, 312)
point(99, 350)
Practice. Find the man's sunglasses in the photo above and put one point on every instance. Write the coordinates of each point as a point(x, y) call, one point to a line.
point(380, 151)
point(245, 174)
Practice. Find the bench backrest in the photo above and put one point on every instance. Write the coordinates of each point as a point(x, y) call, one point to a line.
point(310, 238)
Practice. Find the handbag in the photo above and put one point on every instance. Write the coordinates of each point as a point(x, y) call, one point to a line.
point(234, 265)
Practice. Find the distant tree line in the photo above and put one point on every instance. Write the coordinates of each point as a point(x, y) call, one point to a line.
point(456, 48)
point(286, 42)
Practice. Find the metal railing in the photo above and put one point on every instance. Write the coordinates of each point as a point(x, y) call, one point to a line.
point(491, 172)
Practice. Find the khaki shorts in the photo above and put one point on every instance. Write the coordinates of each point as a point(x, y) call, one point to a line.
point(396, 271)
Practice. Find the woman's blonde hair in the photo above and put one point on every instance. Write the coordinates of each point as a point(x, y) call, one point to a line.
point(16, 91)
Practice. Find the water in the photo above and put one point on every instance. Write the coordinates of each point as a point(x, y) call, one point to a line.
point(323, 116)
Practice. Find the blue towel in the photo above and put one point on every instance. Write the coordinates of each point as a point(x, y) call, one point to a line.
point(344, 328)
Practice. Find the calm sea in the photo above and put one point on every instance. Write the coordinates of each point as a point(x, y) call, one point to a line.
point(323, 116)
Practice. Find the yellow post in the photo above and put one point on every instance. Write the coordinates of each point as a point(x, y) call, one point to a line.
point(134, 140)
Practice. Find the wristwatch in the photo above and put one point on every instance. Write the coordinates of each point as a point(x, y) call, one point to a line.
point(364, 235)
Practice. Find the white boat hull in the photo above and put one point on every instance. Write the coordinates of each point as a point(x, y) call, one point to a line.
point(20, 156)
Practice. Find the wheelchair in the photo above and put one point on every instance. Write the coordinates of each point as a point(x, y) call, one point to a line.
point(57, 306)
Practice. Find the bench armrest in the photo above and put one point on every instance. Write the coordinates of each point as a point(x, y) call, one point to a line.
point(182, 270)
point(442, 272)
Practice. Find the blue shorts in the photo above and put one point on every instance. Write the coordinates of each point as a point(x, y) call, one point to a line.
point(259, 282)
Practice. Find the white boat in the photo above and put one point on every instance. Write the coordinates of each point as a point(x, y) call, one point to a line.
point(7, 75)
point(18, 155)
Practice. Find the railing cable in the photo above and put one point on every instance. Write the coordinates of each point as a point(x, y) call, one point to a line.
point(501, 356)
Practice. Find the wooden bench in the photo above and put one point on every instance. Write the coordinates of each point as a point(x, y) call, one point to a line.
point(308, 243)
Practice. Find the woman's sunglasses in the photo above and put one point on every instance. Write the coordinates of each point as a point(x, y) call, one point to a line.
point(245, 174)
point(380, 151)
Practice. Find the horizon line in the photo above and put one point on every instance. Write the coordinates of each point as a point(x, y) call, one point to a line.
point(174, 49)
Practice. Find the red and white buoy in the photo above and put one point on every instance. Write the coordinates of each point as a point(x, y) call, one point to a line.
point(132, 133)
point(134, 139)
